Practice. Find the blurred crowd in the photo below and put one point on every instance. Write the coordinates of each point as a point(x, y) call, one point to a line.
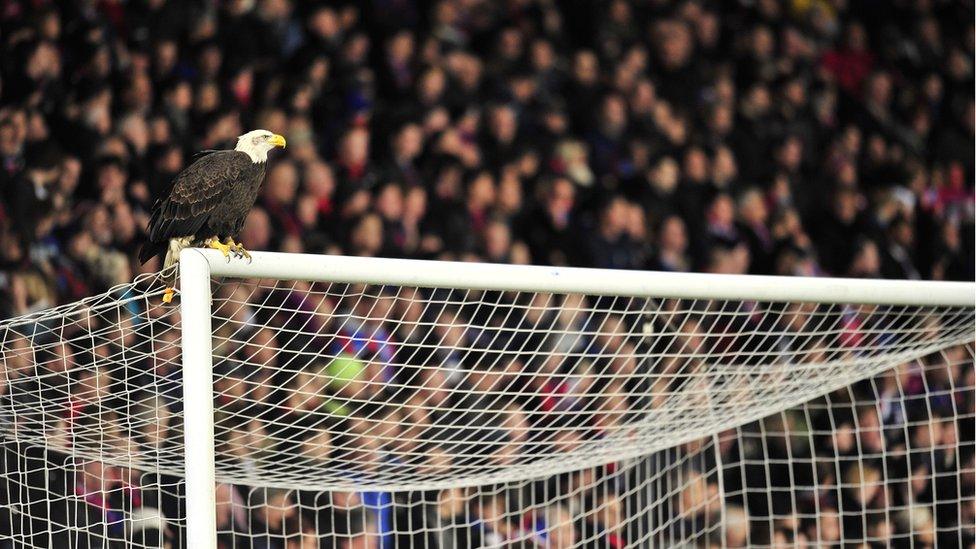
point(807, 137)
point(818, 137)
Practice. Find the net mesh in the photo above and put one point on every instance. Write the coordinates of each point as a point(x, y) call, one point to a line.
point(379, 416)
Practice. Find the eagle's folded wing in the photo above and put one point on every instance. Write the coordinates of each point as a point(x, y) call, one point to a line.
point(197, 192)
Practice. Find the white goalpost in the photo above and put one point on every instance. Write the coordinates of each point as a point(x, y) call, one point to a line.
point(314, 401)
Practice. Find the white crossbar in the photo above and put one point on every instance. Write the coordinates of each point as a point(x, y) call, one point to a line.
point(490, 276)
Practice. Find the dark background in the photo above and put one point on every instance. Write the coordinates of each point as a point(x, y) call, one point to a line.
point(813, 138)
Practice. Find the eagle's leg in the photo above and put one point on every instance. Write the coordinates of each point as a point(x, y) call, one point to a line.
point(215, 244)
point(236, 248)
point(168, 295)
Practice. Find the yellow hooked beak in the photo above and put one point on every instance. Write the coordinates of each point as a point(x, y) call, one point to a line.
point(277, 140)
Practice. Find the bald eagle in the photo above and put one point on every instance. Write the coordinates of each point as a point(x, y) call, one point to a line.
point(208, 201)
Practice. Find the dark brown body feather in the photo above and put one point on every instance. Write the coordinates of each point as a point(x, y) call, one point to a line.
point(211, 197)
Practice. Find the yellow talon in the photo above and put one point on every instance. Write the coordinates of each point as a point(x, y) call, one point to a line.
point(215, 244)
point(168, 295)
point(237, 249)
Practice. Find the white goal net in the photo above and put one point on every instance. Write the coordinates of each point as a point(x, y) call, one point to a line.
point(364, 415)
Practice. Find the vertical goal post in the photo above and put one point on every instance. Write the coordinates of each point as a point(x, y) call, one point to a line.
point(198, 267)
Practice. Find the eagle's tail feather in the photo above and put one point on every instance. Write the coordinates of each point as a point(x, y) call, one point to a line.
point(150, 250)
point(171, 254)
point(173, 249)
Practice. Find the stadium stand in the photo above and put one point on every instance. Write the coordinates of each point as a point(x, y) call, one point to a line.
point(810, 137)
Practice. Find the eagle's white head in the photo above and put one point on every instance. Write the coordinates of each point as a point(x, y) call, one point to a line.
point(257, 143)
